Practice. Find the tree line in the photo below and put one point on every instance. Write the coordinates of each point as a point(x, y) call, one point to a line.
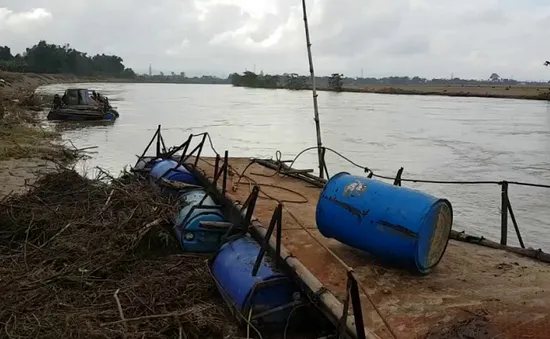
point(55, 59)
point(180, 78)
point(337, 81)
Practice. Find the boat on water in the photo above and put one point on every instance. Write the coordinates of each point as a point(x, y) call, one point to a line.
point(79, 104)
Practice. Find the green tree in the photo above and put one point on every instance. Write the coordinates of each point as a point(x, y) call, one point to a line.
point(5, 53)
point(51, 58)
point(335, 82)
point(294, 81)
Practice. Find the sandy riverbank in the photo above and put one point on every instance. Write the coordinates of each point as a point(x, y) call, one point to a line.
point(26, 148)
point(526, 92)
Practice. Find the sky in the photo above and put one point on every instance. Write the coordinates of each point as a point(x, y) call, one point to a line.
point(428, 38)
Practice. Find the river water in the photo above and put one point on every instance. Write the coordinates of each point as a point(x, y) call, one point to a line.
point(435, 138)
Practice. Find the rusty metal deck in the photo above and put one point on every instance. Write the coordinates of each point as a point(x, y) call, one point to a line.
point(475, 290)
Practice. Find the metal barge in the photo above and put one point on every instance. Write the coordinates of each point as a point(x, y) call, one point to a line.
point(480, 289)
point(498, 293)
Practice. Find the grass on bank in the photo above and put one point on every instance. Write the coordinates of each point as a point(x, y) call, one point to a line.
point(491, 91)
point(22, 137)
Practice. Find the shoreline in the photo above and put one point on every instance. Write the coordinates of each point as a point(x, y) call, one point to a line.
point(15, 82)
point(27, 148)
point(518, 92)
point(480, 91)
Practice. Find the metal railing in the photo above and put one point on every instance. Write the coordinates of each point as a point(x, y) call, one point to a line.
point(506, 205)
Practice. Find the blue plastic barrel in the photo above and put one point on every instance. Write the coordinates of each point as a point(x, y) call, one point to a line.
point(175, 172)
point(189, 232)
point(109, 116)
point(232, 271)
point(145, 162)
point(394, 223)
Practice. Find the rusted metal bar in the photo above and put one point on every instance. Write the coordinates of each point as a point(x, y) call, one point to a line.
point(158, 142)
point(325, 163)
point(252, 196)
point(216, 168)
point(526, 252)
point(218, 174)
point(245, 222)
point(164, 150)
point(516, 227)
point(264, 245)
point(504, 213)
point(177, 149)
point(278, 240)
point(397, 181)
point(200, 150)
point(298, 171)
point(215, 225)
point(353, 291)
point(225, 169)
point(197, 148)
point(148, 145)
point(342, 322)
point(307, 177)
point(250, 205)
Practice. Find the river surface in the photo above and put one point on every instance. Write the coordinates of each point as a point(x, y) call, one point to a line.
point(435, 138)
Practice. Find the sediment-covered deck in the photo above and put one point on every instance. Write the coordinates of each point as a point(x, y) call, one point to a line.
point(475, 290)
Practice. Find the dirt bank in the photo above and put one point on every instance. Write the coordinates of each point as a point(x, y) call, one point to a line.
point(11, 84)
point(26, 148)
point(527, 92)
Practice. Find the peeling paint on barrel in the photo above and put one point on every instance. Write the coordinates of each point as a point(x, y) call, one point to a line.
point(394, 223)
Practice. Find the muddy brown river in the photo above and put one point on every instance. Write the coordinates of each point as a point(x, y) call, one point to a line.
point(434, 138)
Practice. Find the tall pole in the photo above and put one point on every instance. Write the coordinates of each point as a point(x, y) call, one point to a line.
point(315, 106)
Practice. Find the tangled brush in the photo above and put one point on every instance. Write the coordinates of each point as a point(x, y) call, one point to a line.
point(96, 258)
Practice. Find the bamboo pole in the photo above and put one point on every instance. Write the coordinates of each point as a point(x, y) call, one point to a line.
point(314, 90)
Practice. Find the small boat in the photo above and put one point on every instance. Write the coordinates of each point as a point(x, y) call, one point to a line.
point(82, 104)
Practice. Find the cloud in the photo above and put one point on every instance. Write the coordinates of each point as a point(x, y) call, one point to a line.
point(431, 38)
point(22, 22)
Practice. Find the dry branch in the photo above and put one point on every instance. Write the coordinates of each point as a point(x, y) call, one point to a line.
point(69, 244)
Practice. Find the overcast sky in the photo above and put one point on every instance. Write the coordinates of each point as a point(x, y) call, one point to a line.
point(430, 38)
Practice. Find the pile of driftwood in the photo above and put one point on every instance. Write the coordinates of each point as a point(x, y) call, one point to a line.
point(83, 258)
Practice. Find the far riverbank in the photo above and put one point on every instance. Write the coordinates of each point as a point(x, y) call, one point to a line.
point(16, 82)
point(523, 92)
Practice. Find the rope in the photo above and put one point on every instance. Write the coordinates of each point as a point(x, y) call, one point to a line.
point(445, 182)
point(348, 269)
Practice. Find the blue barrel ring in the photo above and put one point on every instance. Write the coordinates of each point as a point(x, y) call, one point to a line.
point(232, 270)
point(146, 162)
point(171, 170)
point(198, 207)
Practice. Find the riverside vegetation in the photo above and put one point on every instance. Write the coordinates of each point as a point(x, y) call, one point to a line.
point(493, 87)
point(45, 58)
